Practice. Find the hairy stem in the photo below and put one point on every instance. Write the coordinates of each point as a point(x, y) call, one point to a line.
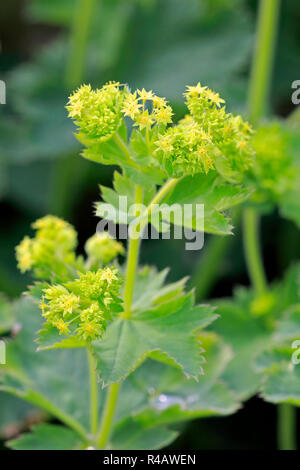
point(112, 394)
point(252, 251)
point(93, 393)
point(79, 36)
point(267, 26)
point(286, 427)
point(134, 242)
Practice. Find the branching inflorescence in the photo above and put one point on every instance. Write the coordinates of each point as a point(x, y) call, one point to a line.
point(79, 301)
point(206, 155)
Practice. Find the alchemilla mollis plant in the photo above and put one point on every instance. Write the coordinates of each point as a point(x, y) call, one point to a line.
point(122, 356)
point(129, 322)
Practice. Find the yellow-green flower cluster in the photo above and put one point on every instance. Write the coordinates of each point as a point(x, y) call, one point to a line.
point(229, 134)
point(79, 308)
point(185, 149)
point(97, 113)
point(102, 247)
point(52, 247)
point(147, 109)
point(273, 170)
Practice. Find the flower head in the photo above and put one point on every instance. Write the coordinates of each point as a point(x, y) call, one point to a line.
point(185, 149)
point(102, 247)
point(97, 113)
point(78, 308)
point(274, 171)
point(52, 247)
point(229, 134)
point(147, 109)
point(24, 255)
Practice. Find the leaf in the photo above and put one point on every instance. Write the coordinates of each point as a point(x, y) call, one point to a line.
point(180, 206)
point(57, 12)
point(282, 384)
point(123, 188)
point(162, 328)
point(46, 379)
point(253, 325)
point(16, 415)
point(58, 383)
point(49, 338)
point(290, 206)
point(47, 437)
point(158, 394)
point(191, 50)
point(131, 434)
point(150, 289)
point(216, 197)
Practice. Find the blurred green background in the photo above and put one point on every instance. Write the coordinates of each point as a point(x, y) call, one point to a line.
point(48, 48)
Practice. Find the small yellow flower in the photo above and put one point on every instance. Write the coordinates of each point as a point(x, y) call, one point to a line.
point(163, 115)
point(43, 306)
point(241, 145)
point(62, 327)
point(215, 98)
point(145, 95)
point(69, 303)
point(131, 106)
point(108, 275)
point(195, 90)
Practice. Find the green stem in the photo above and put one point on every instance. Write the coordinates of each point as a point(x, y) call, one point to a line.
point(79, 36)
point(263, 58)
point(108, 414)
point(258, 95)
point(206, 273)
point(257, 99)
point(252, 251)
point(134, 243)
point(93, 393)
point(132, 261)
point(286, 427)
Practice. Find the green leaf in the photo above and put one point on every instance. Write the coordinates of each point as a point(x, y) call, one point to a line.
point(150, 289)
point(49, 338)
point(168, 327)
point(282, 384)
point(58, 383)
point(125, 188)
point(213, 52)
point(46, 379)
point(289, 206)
point(57, 12)
point(216, 197)
point(158, 394)
point(248, 336)
point(16, 415)
point(208, 190)
point(252, 325)
point(47, 437)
